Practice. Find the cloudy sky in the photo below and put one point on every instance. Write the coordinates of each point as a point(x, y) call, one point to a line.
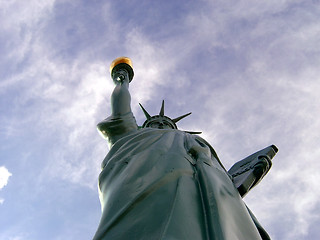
point(247, 70)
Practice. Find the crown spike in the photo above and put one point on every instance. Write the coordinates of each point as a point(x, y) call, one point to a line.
point(179, 118)
point(162, 109)
point(148, 116)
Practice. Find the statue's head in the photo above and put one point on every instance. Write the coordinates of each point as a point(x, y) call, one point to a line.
point(161, 121)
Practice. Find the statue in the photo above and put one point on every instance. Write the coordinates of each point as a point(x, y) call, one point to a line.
point(158, 182)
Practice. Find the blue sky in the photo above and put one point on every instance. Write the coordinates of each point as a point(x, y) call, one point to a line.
point(248, 71)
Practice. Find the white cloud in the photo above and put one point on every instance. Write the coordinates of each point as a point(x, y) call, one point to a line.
point(4, 176)
point(14, 236)
point(151, 65)
point(68, 95)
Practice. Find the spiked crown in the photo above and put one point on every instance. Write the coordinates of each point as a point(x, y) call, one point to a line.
point(161, 118)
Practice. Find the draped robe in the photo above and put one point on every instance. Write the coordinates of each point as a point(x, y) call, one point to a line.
point(167, 184)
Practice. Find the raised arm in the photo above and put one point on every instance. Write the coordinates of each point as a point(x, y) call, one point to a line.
point(120, 98)
point(121, 121)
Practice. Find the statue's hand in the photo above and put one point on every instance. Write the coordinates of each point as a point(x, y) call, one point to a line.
point(249, 171)
point(262, 165)
point(121, 76)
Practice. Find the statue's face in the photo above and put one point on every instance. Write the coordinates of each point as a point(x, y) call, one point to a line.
point(160, 125)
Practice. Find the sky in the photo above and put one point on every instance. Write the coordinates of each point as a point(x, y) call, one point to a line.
point(247, 70)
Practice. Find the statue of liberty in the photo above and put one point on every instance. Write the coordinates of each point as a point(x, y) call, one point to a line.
point(158, 182)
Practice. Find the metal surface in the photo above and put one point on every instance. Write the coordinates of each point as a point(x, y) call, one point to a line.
point(158, 182)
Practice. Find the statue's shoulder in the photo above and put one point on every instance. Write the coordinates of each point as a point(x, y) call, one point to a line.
point(115, 126)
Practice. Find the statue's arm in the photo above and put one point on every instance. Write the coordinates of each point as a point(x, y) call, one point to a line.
point(248, 172)
point(121, 121)
point(121, 99)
